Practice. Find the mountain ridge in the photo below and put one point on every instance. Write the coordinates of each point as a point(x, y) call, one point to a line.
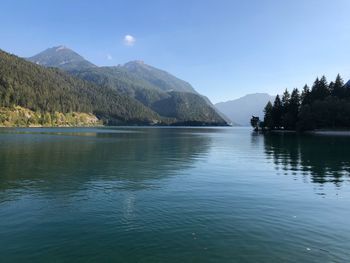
point(156, 89)
point(25, 84)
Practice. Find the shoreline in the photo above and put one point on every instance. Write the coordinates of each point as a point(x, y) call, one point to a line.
point(122, 125)
point(330, 132)
point(316, 132)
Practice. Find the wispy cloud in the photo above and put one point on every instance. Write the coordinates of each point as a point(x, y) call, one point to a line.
point(129, 40)
point(109, 57)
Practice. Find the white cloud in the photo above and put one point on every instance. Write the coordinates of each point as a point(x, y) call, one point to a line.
point(129, 40)
point(109, 57)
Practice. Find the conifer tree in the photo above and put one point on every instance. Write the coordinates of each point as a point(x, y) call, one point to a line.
point(268, 118)
point(291, 117)
point(277, 112)
point(325, 106)
point(338, 89)
point(306, 95)
point(320, 89)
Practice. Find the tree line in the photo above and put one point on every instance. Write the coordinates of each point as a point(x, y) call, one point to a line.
point(324, 105)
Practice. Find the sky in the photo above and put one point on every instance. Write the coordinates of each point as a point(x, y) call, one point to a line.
point(225, 49)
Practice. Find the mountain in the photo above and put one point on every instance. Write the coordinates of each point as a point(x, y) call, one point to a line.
point(50, 90)
point(161, 92)
point(348, 84)
point(241, 110)
point(52, 93)
point(156, 77)
point(61, 57)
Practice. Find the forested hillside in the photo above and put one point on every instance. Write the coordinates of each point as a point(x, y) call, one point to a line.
point(157, 78)
point(50, 90)
point(161, 92)
point(41, 89)
point(183, 106)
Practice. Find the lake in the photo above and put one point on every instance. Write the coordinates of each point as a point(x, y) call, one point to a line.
point(133, 194)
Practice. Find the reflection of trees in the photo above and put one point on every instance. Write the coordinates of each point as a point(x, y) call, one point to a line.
point(70, 160)
point(325, 158)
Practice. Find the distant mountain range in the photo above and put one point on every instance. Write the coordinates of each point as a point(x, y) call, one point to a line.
point(134, 93)
point(241, 110)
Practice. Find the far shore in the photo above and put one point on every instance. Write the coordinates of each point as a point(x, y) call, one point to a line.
point(331, 132)
point(318, 132)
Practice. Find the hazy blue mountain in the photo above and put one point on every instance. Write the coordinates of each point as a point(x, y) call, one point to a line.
point(158, 90)
point(61, 57)
point(348, 84)
point(241, 110)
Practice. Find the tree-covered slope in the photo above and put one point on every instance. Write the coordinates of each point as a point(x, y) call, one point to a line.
point(188, 108)
point(158, 78)
point(119, 79)
point(31, 86)
point(153, 87)
point(182, 106)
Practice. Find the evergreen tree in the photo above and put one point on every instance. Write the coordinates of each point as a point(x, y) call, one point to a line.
point(320, 89)
point(325, 106)
point(306, 95)
point(338, 89)
point(268, 118)
point(285, 107)
point(314, 90)
point(285, 100)
point(291, 116)
point(306, 119)
point(277, 112)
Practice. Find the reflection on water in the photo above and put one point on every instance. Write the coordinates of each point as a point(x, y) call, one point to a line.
point(324, 158)
point(172, 195)
point(49, 159)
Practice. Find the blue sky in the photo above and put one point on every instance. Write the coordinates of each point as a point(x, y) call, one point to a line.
point(225, 49)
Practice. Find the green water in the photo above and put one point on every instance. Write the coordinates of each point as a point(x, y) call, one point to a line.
point(173, 195)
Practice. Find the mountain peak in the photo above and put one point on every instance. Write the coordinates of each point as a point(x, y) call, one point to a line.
point(61, 57)
point(59, 48)
point(140, 62)
point(135, 64)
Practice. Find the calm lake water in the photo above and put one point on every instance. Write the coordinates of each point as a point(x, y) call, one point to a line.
point(173, 195)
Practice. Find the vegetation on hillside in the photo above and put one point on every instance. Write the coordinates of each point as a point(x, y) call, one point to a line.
point(324, 106)
point(50, 90)
point(156, 89)
point(160, 92)
point(156, 77)
point(21, 117)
